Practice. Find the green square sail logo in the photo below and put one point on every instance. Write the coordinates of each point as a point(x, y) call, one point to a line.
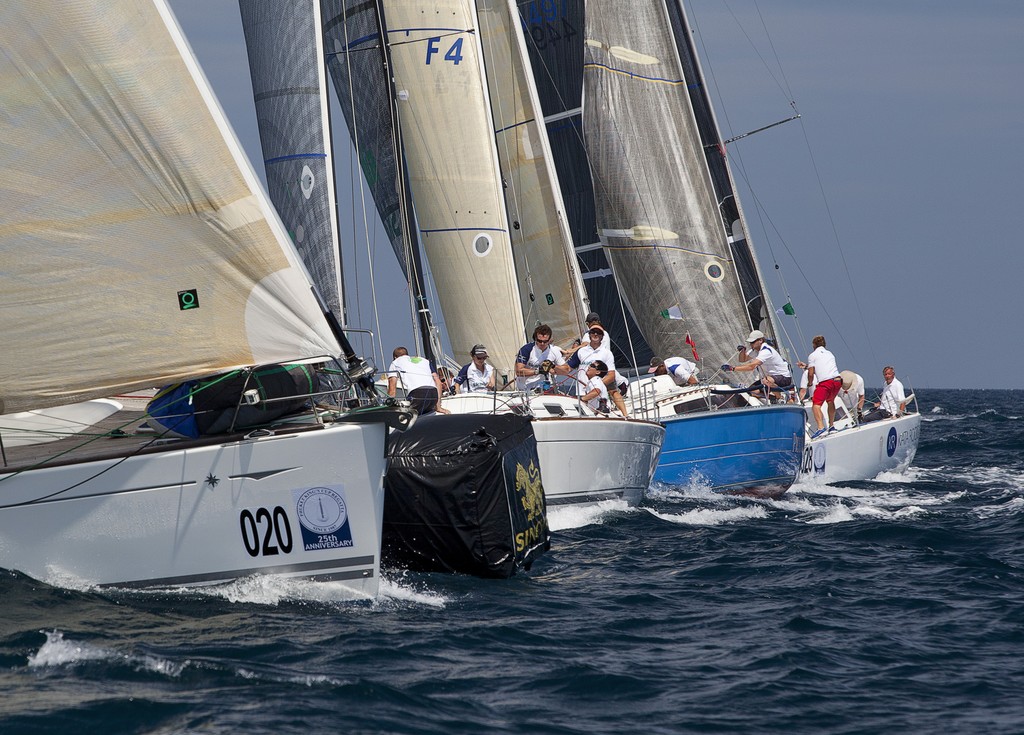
point(188, 299)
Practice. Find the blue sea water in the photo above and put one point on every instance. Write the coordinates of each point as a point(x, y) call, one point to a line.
point(895, 605)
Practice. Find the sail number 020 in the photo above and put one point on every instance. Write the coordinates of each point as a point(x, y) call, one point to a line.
point(266, 532)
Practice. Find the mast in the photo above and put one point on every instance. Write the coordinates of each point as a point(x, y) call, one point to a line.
point(428, 333)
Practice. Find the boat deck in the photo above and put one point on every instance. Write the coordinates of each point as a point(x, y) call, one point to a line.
point(115, 436)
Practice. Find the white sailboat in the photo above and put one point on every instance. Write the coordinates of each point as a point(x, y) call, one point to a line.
point(476, 521)
point(860, 451)
point(483, 177)
point(138, 251)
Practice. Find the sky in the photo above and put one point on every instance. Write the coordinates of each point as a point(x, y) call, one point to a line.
point(889, 208)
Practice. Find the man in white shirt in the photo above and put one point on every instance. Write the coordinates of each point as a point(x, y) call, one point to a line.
point(596, 395)
point(592, 319)
point(419, 378)
point(681, 370)
point(533, 356)
point(893, 400)
point(821, 366)
point(774, 370)
point(478, 375)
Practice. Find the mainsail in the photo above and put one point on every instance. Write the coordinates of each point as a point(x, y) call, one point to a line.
point(656, 205)
point(554, 36)
point(444, 113)
point(115, 166)
point(755, 296)
point(285, 50)
point(550, 286)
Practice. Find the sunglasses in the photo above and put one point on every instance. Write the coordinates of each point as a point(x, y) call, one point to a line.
point(597, 331)
point(540, 341)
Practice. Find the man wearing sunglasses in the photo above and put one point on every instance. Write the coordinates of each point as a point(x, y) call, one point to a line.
point(477, 376)
point(534, 356)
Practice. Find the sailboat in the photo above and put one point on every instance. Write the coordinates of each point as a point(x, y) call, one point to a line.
point(139, 251)
point(753, 451)
point(671, 220)
point(485, 199)
point(462, 493)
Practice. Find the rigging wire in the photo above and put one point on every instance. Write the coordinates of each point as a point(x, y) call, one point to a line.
point(782, 83)
point(356, 179)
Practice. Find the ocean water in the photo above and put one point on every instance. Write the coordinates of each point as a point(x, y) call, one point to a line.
point(891, 606)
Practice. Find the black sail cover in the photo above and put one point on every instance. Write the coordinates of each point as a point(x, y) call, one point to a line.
point(463, 494)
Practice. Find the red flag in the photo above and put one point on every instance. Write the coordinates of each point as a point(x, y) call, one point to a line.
point(693, 347)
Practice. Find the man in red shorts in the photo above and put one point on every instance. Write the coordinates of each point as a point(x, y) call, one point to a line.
point(822, 364)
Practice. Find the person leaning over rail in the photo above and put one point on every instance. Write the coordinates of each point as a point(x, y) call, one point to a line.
point(681, 370)
point(418, 376)
point(821, 366)
point(852, 394)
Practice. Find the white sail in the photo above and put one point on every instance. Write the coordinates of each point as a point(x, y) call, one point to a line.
point(286, 62)
point(117, 161)
point(453, 169)
point(657, 211)
point(550, 287)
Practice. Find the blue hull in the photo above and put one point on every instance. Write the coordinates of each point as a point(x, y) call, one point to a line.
point(747, 451)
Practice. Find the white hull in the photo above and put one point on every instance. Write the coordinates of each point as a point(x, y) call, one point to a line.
point(203, 514)
point(583, 458)
point(49, 424)
point(861, 452)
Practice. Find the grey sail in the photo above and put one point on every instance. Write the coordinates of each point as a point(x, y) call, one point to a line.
point(289, 88)
point(755, 296)
point(554, 36)
point(657, 209)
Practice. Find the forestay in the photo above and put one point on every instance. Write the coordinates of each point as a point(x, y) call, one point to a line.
point(113, 165)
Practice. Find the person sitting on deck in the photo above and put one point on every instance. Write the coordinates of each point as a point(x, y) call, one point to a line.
point(893, 401)
point(477, 376)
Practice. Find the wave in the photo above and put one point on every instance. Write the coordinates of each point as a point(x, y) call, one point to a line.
point(565, 517)
point(711, 516)
point(58, 652)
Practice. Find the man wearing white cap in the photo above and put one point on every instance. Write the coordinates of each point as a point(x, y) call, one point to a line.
point(774, 370)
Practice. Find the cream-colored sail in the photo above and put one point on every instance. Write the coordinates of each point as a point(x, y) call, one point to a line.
point(136, 247)
point(550, 286)
point(456, 183)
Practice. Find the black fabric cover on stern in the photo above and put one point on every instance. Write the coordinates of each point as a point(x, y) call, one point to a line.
point(463, 494)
